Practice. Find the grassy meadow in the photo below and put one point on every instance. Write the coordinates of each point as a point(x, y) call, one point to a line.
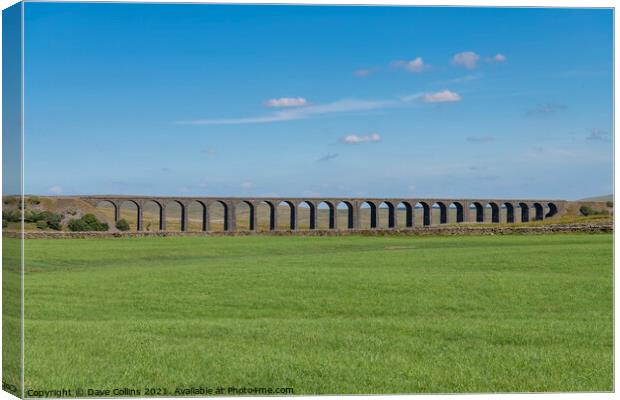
point(321, 314)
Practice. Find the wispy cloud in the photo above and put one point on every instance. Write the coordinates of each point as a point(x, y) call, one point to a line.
point(55, 189)
point(498, 58)
point(467, 59)
point(364, 72)
point(355, 139)
point(441, 97)
point(546, 109)
point(345, 106)
point(415, 65)
point(328, 157)
point(286, 102)
point(340, 106)
point(247, 185)
point(480, 139)
point(597, 135)
point(208, 152)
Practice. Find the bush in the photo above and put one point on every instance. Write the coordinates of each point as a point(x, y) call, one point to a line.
point(33, 200)
point(87, 223)
point(11, 200)
point(42, 225)
point(52, 220)
point(587, 210)
point(5, 223)
point(610, 204)
point(12, 215)
point(122, 225)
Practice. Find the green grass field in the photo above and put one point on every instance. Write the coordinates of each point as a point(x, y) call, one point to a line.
point(322, 314)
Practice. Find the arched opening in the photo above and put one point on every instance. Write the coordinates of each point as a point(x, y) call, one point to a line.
point(368, 215)
point(266, 216)
point(152, 216)
point(553, 210)
point(306, 215)
point(539, 212)
point(244, 212)
point(494, 212)
point(217, 216)
point(326, 215)
point(106, 211)
point(510, 212)
point(386, 217)
point(477, 210)
point(174, 216)
point(129, 212)
point(404, 215)
point(442, 218)
point(422, 212)
point(286, 215)
point(456, 213)
point(525, 212)
point(196, 218)
point(344, 215)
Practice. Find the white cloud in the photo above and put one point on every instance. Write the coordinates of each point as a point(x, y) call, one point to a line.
point(415, 65)
point(444, 96)
point(355, 139)
point(248, 185)
point(467, 59)
point(286, 102)
point(337, 107)
point(480, 139)
point(597, 135)
point(499, 58)
point(362, 73)
point(55, 189)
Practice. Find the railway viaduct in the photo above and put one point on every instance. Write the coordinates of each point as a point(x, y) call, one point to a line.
point(514, 210)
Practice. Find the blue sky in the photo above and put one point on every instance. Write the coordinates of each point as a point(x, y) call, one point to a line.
point(317, 101)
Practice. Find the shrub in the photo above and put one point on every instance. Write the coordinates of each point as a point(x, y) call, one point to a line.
point(12, 215)
point(122, 225)
point(42, 224)
point(33, 200)
point(587, 210)
point(5, 223)
point(87, 223)
point(610, 204)
point(52, 219)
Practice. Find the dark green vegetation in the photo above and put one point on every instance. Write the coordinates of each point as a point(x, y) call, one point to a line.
point(122, 225)
point(88, 223)
point(587, 211)
point(322, 314)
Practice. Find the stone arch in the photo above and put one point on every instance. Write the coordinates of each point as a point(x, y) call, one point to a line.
point(479, 211)
point(425, 210)
point(553, 210)
point(266, 216)
point(175, 215)
point(404, 214)
point(345, 215)
point(443, 211)
point(494, 211)
point(195, 216)
point(246, 215)
point(217, 216)
point(135, 220)
point(525, 212)
point(287, 218)
point(153, 215)
point(459, 212)
point(108, 209)
point(386, 215)
point(326, 215)
point(306, 215)
point(539, 212)
point(367, 215)
point(510, 212)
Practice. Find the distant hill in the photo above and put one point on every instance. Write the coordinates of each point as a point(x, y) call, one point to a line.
point(609, 197)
